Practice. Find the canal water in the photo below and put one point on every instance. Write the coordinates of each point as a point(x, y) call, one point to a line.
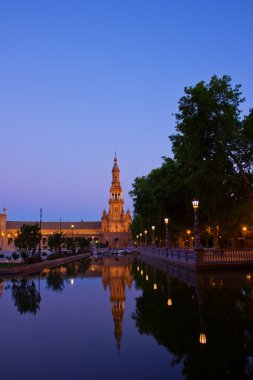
point(124, 318)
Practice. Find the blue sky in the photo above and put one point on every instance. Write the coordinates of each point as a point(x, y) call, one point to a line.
point(79, 79)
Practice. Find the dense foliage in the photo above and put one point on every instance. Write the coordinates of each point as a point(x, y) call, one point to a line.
point(58, 242)
point(28, 238)
point(213, 161)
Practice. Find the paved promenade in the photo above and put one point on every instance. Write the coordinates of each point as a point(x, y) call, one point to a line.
point(37, 267)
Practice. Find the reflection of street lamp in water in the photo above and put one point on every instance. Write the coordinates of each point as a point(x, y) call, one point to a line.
point(155, 284)
point(169, 302)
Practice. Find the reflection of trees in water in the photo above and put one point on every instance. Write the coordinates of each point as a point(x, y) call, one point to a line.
point(226, 314)
point(56, 277)
point(77, 268)
point(55, 280)
point(25, 296)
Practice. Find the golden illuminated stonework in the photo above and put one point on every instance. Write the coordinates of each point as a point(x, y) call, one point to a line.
point(115, 224)
point(113, 229)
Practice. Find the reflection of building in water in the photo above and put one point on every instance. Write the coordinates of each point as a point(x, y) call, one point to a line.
point(116, 274)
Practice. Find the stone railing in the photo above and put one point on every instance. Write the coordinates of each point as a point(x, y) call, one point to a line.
point(172, 254)
point(200, 256)
point(227, 255)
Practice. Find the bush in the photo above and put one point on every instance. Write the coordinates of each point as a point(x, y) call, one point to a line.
point(15, 255)
point(44, 254)
point(33, 259)
point(1, 256)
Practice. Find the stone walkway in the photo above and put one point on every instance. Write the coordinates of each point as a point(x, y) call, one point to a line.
point(37, 267)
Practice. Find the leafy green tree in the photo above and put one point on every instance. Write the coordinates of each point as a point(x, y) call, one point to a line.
point(211, 148)
point(213, 160)
point(28, 238)
point(55, 241)
point(81, 243)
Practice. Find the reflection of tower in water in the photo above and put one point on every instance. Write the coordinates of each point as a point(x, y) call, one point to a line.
point(117, 275)
point(1, 287)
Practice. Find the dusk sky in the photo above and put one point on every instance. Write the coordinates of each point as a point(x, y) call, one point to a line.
point(79, 79)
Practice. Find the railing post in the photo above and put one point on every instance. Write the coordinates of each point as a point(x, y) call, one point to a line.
point(199, 253)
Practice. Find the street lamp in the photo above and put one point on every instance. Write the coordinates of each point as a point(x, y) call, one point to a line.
point(195, 205)
point(166, 221)
point(41, 211)
point(140, 238)
point(72, 228)
point(145, 232)
point(137, 237)
point(60, 235)
point(153, 236)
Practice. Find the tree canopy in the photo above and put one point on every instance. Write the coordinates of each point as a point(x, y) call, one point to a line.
point(28, 238)
point(213, 160)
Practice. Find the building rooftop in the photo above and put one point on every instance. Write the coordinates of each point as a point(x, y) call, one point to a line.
point(56, 225)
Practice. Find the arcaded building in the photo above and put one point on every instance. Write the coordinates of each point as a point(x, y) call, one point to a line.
point(113, 229)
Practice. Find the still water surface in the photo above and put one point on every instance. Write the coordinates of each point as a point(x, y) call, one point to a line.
point(104, 320)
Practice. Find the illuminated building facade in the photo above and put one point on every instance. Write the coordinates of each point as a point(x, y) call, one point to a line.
point(113, 229)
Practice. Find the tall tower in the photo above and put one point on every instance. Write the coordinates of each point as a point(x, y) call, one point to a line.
point(116, 202)
point(116, 221)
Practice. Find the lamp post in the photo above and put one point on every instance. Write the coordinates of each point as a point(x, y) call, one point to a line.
point(166, 221)
point(195, 205)
point(41, 211)
point(72, 228)
point(145, 232)
point(60, 235)
point(153, 236)
point(137, 238)
point(140, 239)
point(188, 241)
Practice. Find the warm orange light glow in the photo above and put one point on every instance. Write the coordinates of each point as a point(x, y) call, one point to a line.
point(166, 220)
point(169, 303)
point(141, 272)
point(145, 232)
point(138, 268)
point(188, 232)
point(153, 228)
point(155, 286)
point(244, 228)
point(248, 276)
point(146, 277)
point(202, 338)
